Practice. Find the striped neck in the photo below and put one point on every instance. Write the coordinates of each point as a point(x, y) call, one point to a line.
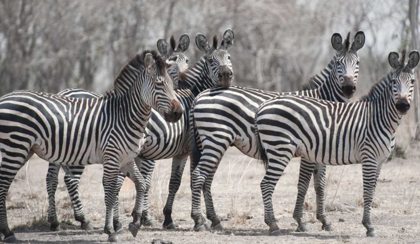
point(326, 84)
point(197, 78)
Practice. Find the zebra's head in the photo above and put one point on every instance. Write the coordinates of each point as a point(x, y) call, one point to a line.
point(402, 79)
point(175, 58)
point(218, 59)
point(157, 89)
point(346, 61)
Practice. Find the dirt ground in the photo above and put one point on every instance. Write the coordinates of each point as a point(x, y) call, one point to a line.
point(238, 202)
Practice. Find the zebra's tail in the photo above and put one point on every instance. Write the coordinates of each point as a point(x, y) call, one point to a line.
point(262, 156)
point(195, 152)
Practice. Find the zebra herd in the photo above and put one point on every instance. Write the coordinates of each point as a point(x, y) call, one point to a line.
point(161, 108)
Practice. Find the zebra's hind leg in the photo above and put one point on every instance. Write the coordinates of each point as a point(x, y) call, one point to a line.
point(277, 158)
point(146, 169)
point(52, 182)
point(210, 157)
point(9, 166)
point(72, 179)
point(305, 174)
point(370, 175)
point(319, 184)
point(178, 165)
point(208, 199)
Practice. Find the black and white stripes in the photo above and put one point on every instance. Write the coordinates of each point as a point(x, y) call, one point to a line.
point(328, 133)
point(79, 131)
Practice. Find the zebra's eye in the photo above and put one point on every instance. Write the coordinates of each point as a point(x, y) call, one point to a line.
point(394, 81)
point(412, 81)
point(174, 58)
point(186, 60)
point(229, 57)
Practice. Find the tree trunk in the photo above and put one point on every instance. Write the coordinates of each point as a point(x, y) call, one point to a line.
point(413, 15)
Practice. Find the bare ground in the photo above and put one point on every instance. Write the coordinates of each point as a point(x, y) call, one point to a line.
point(238, 201)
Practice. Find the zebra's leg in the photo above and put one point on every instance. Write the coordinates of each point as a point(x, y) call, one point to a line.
point(72, 179)
point(305, 174)
point(9, 166)
point(370, 174)
point(110, 181)
point(116, 221)
point(134, 174)
point(52, 182)
point(178, 165)
point(146, 169)
point(319, 185)
point(208, 199)
point(277, 158)
point(211, 155)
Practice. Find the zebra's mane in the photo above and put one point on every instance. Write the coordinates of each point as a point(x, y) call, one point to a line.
point(125, 79)
point(376, 90)
point(310, 85)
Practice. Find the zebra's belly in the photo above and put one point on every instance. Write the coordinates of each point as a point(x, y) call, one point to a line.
point(329, 157)
point(156, 148)
point(81, 157)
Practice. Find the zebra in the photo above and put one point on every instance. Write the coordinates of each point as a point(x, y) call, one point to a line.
point(331, 133)
point(224, 117)
point(80, 131)
point(177, 62)
point(165, 140)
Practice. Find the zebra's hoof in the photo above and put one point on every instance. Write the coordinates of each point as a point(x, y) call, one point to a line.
point(217, 227)
point(133, 229)
point(114, 237)
point(207, 225)
point(371, 233)
point(200, 228)
point(87, 226)
point(118, 227)
point(275, 233)
point(327, 227)
point(10, 239)
point(1, 237)
point(55, 226)
point(170, 226)
point(302, 228)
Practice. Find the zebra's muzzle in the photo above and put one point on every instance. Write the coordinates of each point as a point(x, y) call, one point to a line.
point(225, 76)
point(176, 112)
point(348, 90)
point(402, 106)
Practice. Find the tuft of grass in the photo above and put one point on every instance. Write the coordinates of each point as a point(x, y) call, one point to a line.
point(36, 223)
point(16, 205)
point(95, 216)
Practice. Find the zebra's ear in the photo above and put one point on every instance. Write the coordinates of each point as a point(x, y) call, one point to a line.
point(413, 59)
point(393, 60)
point(163, 48)
point(202, 43)
point(228, 38)
point(359, 41)
point(184, 43)
point(172, 42)
point(337, 41)
point(149, 61)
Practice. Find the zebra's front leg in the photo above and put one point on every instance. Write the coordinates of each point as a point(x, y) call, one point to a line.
point(116, 221)
point(319, 185)
point(72, 179)
point(110, 181)
point(134, 174)
point(305, 174)
point(52, 182)
point(370, 175)
point(146, 169)
point(178, 165)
